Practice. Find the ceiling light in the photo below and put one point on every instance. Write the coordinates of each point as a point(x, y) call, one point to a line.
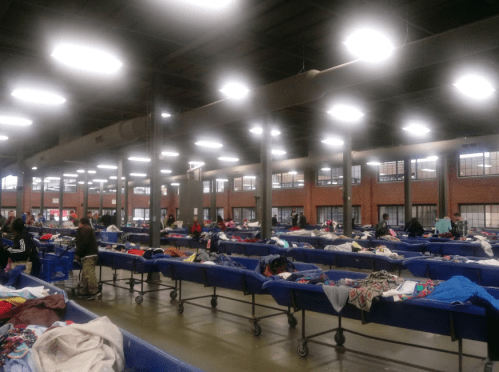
point(99, 181)
point(34, 168)
point(222, 180)
point(166, 171)
point(81, 183)
point(104, 166)
point(92, 172)
point(211, 145)
point(38, 96)
point(485, 165)
point(170, 153)
point(87, 59)
point(91, 188)
point(275, 183)
point(235, 90)
point(250, 177)
point(333, 142)
point(115, 178)
point(432, 158)
point(53, 178)
point(467, 156)
point(382, 174)
point(70, 175)
point(210, 3)
point(223, 158)
point(165, 115)
point(198, 163)
point(3, 138)
point(278, 152)
point(175, 184)
point(346, 113)
point(138, 174)
point(325, 169)
point(417, 129)
point(374, 163)
point(12, 120)
point(293, 173)
point(80, 171)
point(136, 158)
point(369, 45)
point(89, 183)
point(256, 130)
point(428, 170)
point(475, 87)
point(275, 132)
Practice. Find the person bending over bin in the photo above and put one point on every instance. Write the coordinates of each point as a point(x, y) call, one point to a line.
point(24, 250)
point(87, 252)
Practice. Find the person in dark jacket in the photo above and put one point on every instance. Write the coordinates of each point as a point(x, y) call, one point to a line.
point(87, 252)
point(221, 223)
point(414, 228)
point(294, 218)
point(107, 220)
point(382, 227)
point(302, 221)
point(274, 220)
point(24, 250)
point(170, 221)
point(7, 226)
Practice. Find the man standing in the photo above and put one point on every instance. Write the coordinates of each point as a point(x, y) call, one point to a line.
point(382, 228)
point(294, 218)
point(87, 252)
point(302, 221)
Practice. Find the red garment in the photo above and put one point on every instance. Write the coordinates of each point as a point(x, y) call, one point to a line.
point(175, 252)
point(5, 306)
point(137, 252)
point(294, 228)
point(221, 226)
point(46, 237)
point(196, 228)
point(44, 311)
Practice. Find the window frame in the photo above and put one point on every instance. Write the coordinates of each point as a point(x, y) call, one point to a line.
point(330, 179)
point(282, 213)
point(417, 166)
point(297, 180)
point(338, 211)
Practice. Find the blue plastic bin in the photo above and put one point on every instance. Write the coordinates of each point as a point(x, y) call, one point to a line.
point(54, 269)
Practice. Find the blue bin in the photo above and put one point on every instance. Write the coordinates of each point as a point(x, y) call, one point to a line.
point(54, 268)
point(110, 237)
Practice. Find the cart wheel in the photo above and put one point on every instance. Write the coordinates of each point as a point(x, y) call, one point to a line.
point(115, 276)
point(214, 302)
point(100, 287)
point(180, 308)
point(73, 291)
point(339, 338)
point(489, 367)
point(139, 300)
point(303, 350)
point(256, 329)
point(173, 295)
point(292, 321)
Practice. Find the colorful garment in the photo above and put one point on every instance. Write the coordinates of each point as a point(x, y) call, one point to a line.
point(136, 252)
point(422, 289)
point(15, 344)
point(175, 252)
point(191, 258)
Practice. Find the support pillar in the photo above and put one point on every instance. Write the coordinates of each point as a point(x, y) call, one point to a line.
point(1, 194)
point(85, 192)
point(156, 143)
point(443, 186)
point(125, 182)
point(408, 189)
point(101, 197)
point(61, 197)
point(214, 200)
point(119, 182)
point(266, 182)
point(347, 186)
point(42, 196)
point(20, 184)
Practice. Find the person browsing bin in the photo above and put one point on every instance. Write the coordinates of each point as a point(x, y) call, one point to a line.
point(87, 252)
point(196, 228)
point(24, 250)
point(382, 227)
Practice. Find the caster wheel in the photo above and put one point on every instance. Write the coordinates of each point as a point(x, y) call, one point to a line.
point(180, 308)
point(115, 276)
point(256, 329)
point(139, 300)
point(173, 295)
point(292, 321)
point(73, 291)
point(303, 350)
point(214, 302)
point(489, 367)
point(339, 338)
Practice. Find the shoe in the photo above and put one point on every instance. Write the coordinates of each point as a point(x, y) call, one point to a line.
point(96, 296)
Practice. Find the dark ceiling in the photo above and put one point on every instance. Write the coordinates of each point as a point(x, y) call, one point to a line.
point(197, 51)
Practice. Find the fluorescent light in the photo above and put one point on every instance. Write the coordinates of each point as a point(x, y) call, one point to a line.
point(467, 156)
point(382, 174)
point(325, 169)
point(210, 3)
point(38, 97)
point(80, 171)
point(373, 163)
point(70, 175)
point(333, 142)
point(105, 166)
point(165, 115)
point(34, 168)
point(99, 181)
point(369, 45)
point(166, 171)
point(138, 174)
point(92, 172)
point(278, 152)
point(417, 129)
point(431, 158)
point(170, 153)
point(293, 173)
point(175, 184)
point(3, 138)
point(223, 158)
point(115, 178)
point(211, 145)
point(346, 113)
point(275, 132)
point(428, 170)
point(475, 87)
point(259, 130)
point(89, 183)
point(235, 90)
point(137, 158)
point(81, 183)
point(52, 178)
point(250, 177)
point(222, 180)
point(87, 59)
point(12, 120)
point(198, 163)
point(485, 165)
point(275, 183)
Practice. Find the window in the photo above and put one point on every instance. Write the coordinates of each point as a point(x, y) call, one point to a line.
point(426, 214)
point(164, 190)
point(241, 214)
point(220, 186)
point(288, 180)
point(206, 187)
point(164, 213)
point(420, 169)
point(336, 213)
point(69, 185)
point(140, 214)
point(177, 214)
point(51, 184)
point(206, 214)
point(51, 211)
point(284, 213)
point(220, 212)
point(395, 212)
point(5, 211)
point(480, 215)
point(479, 164)
point(245, 183)
point(335, 176)
point(9, 183)
point(142, 190)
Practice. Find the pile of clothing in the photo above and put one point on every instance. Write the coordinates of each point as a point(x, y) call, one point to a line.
point(274, 264)
point(213, 259)
point(175, 252)
point(382, 251)
point(46, 237)
point(390, 238)
point(462, 259)
point(112, 228)
point(345, 247)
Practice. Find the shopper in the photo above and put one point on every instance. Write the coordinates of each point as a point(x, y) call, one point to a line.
point(87, 252)
point(414, 228)
point(24, 250)
point(196, 228)
point(107, 220)
point(7, 226)
point(382, 227)
point(90, 219)
point(30, 221)
point(221, 223)
point(274, 220)
point(2, 220)
point(459, 226)
point(302, 221)
point(294, 218)
point(41, 219)
point(170, 221)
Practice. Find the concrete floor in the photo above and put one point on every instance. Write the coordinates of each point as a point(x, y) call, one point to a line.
point(213, 341)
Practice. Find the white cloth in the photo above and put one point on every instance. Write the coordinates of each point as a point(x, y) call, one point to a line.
point(96, 346)
point(488, 262)
point(487, 248)
point(285, 275)
point(26, 292)
point(112, 228)
point(346, 247)
point(222, 236)
point(208, 263)
point(406, 288)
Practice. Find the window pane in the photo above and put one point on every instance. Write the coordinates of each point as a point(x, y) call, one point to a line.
point(206, 214)
point(388, 171)
point(220, 212)
point(238, 184)
point(220, 186)
point(206, 187)
point(9, 183)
